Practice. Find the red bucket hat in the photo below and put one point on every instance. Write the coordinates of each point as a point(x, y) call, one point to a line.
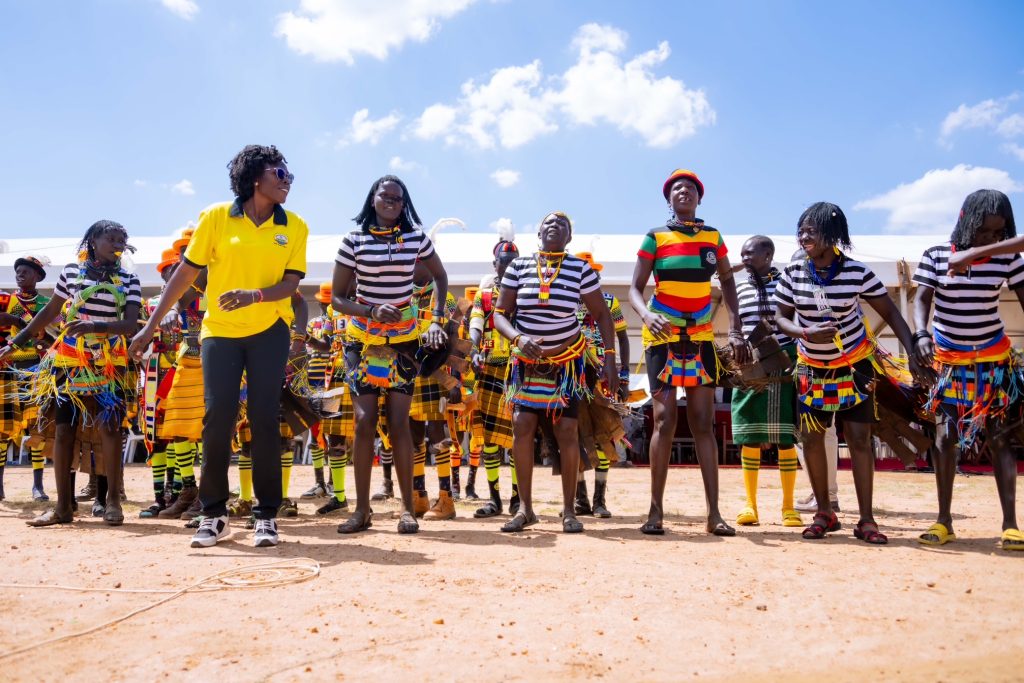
point(682, 173)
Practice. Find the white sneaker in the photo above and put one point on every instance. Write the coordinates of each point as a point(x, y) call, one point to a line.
point(810, 504)
point(265, 534)
point(210, 530)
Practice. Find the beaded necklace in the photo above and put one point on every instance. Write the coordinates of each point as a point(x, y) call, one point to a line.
point(384, 234)
point(553, 261)
point(692, 227)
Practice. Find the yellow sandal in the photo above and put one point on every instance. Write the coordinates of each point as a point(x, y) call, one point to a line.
point(747, 517)
point(1013, 539)
point(937, 534)
point(791, 518)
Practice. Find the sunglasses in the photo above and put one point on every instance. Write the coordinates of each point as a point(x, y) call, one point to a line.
point(281, 173)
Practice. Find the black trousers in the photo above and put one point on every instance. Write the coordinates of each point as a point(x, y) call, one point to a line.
point(262, 357)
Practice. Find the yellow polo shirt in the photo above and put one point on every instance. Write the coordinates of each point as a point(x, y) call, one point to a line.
point(238, 254)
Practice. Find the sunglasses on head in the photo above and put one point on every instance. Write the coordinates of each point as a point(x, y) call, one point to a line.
point(281, 173)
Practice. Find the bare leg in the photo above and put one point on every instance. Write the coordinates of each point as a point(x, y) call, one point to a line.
point(700, 413)
point(401, 444)
point(365, 411)
point(524, 428)
point(111, 444)
point(817, 468)
point(63, 449)
point(1004, 466)
point(858, 439)
point(944, 457)
point(567, 435)
point(660, 451)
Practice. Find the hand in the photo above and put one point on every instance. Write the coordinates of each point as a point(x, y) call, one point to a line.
point(233, 299)
point(960, 261)
point(434, 337)
point(923, 374)
point(5, 351)
point(530, 347)
point(170, 323)
point(740, 349)
point(611, 376)
point(79, 327)
point(386, 313)
point(659, 325)
point(140, 342)
point(821, 333)
point(454, 396)
point(297, 349)
point(924, 351)
point(478, 360)
point(7, 319)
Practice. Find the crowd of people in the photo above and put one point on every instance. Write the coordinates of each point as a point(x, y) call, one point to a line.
point(226, 361)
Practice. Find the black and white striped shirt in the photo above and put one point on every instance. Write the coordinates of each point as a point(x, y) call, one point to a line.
point(750, 308)
point(384, 269)
point(967, 305)
point(554, 323)
point(837, 301)
point(101, 306)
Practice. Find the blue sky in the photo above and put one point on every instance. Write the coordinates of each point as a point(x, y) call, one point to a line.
point(130, 109)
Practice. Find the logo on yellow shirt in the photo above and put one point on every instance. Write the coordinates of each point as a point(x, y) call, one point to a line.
point(281, 240)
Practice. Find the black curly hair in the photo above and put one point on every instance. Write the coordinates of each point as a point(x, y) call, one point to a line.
point(248, 165)
point(978, 205)
point(97, 230)
point(830, 220)
point(408, 219)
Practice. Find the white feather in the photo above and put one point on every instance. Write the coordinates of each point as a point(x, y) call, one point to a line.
point(441, 222)
point(506, 230)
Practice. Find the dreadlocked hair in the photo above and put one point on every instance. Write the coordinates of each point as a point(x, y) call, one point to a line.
point(972, 215)
point(248, 165)
point(764, 305)
point(830, 221)
point(367, 217)
point(97, 230)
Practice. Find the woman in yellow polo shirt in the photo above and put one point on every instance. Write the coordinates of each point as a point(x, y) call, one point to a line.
point(255, 255)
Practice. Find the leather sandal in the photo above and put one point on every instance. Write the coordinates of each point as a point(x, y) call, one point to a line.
point(821, 524)
point(356, 523)
point(571, 525)
point(519, 522)
point(113, 517)
point(650, 528)
point(869, 533)
point(408, 524)
point(49, 518)
point(488, 509)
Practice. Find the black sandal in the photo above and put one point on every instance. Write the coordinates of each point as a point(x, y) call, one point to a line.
point(113, 517)
point(650, 528)
point(408, 524)
point(723, 529)
point(489, 509)
point(519, 522)
point(356, 523)
point(571, 525)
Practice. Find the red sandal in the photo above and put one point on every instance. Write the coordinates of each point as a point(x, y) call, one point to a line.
point(821, 525)
point(872, 536)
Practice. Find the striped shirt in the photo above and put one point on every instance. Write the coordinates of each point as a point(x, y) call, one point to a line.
point(750, 307)
point(384, 270)
point(589, 323)
point(837, 301)
point(101, 305)
point(684, 264)
point(553, 323)
point(967, 305)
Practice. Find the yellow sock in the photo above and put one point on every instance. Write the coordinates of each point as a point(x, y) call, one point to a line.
point(750, 457)
point(788, 464)
point(245, 476)
point(444, 466)
point(286, 471)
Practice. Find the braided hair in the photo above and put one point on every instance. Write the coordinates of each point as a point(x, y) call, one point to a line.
point(764, 305)
point(97, 230)
point(830, 220)
point(367, 217)
point(972, 215)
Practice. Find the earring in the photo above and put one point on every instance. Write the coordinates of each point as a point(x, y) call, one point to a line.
point(835, 248)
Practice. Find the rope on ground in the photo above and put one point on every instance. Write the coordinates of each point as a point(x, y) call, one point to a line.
point(267, 575)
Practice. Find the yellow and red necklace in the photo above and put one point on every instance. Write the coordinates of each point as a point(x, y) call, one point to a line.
point(552, 267)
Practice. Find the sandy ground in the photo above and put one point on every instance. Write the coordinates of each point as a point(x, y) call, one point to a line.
point(462, 600)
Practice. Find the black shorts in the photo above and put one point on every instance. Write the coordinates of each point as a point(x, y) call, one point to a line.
point(864, 377)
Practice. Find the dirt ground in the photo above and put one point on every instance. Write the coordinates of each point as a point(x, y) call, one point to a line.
point(461, 600)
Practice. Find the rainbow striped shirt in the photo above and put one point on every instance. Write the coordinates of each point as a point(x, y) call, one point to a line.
point(683, 267)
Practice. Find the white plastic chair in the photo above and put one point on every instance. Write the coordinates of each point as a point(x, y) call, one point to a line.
point(130, 445)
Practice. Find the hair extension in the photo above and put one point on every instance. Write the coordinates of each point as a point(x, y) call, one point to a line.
point(830, 221)
point(97, 230)
point(972, 215)
point(408, 219)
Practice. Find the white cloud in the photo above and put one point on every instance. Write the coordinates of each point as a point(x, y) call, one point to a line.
point(1012, 126)
point(400, 164)
point(1014, 149)
point(931, 203)
point(341, 30)
point(183, 188)
point(365, 129)
point(186, 9)
point(139, 183)
point(984, 115)
point(519, 104)
point(505, 177)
